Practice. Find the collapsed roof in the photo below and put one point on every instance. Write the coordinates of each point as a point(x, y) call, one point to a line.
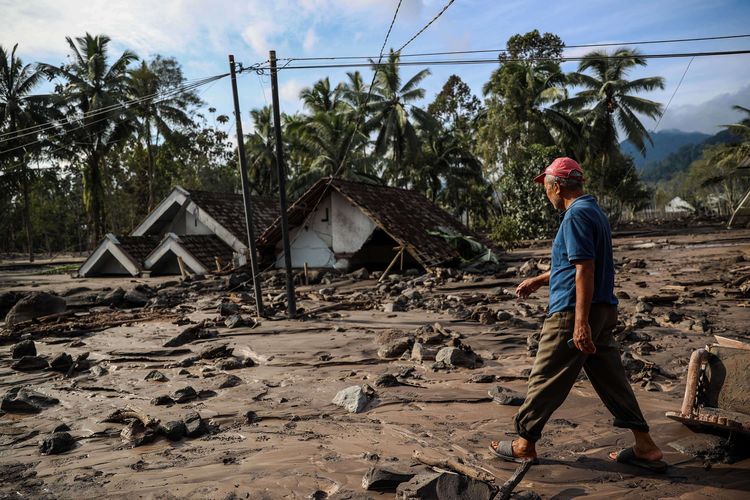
point(419, 226)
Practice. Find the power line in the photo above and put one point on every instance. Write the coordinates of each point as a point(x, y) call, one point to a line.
point(458, 62)
point(166, 96)
point(435, 18)
point(495, 51)
point(673, 94)
point(35, 129)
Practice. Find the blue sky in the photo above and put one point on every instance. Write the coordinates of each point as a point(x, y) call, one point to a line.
point(200, 34)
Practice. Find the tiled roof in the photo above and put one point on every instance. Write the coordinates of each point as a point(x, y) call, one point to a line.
point(138, 247)
point(204, 247)
point(407, 216)
point(228, 209)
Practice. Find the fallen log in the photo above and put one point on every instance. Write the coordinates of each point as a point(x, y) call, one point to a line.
point(508, 486)
point(455, 466)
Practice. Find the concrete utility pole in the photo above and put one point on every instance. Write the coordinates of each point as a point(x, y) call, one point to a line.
point(280, 167)
point(246, 191)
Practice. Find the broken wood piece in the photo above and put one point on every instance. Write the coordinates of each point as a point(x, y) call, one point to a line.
point(455, 466)
point(390, 266)
point(181, 263)
point(508, 486)
point(307, 280)
point(217, 260)
point(727, 342)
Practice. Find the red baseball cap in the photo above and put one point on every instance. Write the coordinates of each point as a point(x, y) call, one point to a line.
point(562, 167)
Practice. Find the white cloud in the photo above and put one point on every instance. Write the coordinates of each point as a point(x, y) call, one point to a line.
point(311, 40)
point(289, 91)
point(708, 116)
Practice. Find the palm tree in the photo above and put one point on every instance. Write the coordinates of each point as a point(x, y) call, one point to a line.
point(320, 98)
point(608, 100)
point(93, 93)
point(390, 103)
point(158, 118)
point(261, 155)
point(20, 110)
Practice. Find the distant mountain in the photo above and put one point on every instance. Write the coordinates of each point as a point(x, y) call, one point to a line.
point(665, 142)
point(679, 160)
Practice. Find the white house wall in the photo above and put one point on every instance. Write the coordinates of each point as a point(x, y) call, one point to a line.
point(336, 230)
point(351, 227)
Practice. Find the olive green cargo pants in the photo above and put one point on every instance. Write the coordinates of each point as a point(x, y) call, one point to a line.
point(557, 366)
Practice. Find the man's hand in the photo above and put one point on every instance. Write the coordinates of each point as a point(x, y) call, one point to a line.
point(582, 338)
point(527, 287)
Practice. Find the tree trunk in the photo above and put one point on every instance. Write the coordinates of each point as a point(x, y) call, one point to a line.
point(27, 213)
point(151, 172)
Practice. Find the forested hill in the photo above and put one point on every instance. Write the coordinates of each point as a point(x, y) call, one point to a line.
point(680, 159)
point(666, 142)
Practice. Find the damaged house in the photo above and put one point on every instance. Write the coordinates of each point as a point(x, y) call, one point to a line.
point(347, 225)
point(335, 224)
point(204, 229)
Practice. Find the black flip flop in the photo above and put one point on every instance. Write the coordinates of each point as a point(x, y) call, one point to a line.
point(504, 450)
point(627, 456)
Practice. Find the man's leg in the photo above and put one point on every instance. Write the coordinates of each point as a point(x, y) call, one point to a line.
point(555, 370)
point(607, 375)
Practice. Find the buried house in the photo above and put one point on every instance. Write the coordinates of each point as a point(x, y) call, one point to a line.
point(347, 225)
point(204, 229)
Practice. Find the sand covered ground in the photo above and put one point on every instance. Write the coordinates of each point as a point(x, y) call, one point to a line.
point(270, 430)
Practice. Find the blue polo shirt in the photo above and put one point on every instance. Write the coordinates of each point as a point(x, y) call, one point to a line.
point(584, 234)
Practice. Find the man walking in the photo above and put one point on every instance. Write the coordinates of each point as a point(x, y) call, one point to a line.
point(577, 332)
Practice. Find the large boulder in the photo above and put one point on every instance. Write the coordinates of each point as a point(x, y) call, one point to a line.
point(444, 486)
point(453, 357)
point(35, 305)
point(354, 399)
point(23, 348)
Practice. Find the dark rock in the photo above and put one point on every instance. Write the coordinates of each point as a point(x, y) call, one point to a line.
point(443, 486)
point(185, 362)
point(700, 445)
point(137, 434)
point(622, 294)
point(35, 305)
point(230, 381)
point(194, 425)
point(360, 274)
point(57, 443)
point(30, 364)
point(453, 357)
point(23, 348)
point(230, 364)
point(236, 280)
point(643, 308)
point(482, 378)
point(156, 376)
point(135, 298)
point(234, 321)
point(354, 399)
point(503, 316)
point(216, 351)
point(386, 380)
point(8, 300)
point(61, 428)
point(163, 400)
point(61, 363)
point(25, 400)
point(184, 395)
point(526, 495)
point(504, 396)
point(630, 363)
point(173, 430)
point(390, 307)
point(228, 309)
point(251, 417)
point(395, 348)
point(190, 334)
point(383, 479)
point(674, 317)
point(113, 298)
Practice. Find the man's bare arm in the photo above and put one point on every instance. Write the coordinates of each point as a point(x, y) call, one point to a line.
point(584, 295)
point(531, 285)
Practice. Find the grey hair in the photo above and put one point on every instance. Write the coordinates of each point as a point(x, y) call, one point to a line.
point(568, 182)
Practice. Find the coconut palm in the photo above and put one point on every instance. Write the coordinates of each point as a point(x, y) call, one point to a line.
point(394, 118)
point(158, 116)
point(321, 98)
point(608, 100)
point(19, 110)
point(261, 155)
point(93, 92)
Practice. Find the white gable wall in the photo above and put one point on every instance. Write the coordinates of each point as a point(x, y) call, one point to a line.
point(335, 231)
point(187, 223)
